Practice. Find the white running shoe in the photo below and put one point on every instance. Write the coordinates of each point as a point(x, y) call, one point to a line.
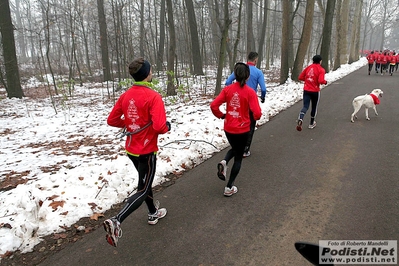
point(312, 126)
point(153, 218)
point(113, 228)
point(246, 154)
point(228, 192)
point(222, 170)
point(299, 125)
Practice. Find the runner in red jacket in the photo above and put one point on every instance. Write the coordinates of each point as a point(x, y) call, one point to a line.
point(141, 111)
point(370, 58)
point(397, 62)
point(384, 62)
point(313, 76)
point(240, 99)
point(378, 62)
point(392, 63)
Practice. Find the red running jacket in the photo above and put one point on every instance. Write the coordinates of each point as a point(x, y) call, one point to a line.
point(136, 109)
point(313, 76)
point(239, 100)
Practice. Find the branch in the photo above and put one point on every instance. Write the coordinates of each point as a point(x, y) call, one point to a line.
point(192, 140)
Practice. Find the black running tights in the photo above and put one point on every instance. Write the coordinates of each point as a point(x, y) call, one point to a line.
point(237, 143)
point(145, 165)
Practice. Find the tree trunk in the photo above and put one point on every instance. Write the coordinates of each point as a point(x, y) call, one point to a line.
point(103, 40)
point(291, 49)
point(383, 24)
point(85, 42)
point(355, 29)
point(344, 32)
point(250, 34)
point(117, 37)
point(263, 34)
point(21, 31)
point(171, 90)
point(195, 44)
point(223, 43)
point(47, 34)
point(337, 60)
point(284, 70)
point(305, 40)
point(327, 31)
point(13, 87)
point(161, 46)
point(357, 42)
point(237, 39)
point(142, 29)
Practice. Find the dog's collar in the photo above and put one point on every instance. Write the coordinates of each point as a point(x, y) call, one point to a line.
point(375, 99)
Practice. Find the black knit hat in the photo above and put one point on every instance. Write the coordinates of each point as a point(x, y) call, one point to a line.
point(317, 59)
point(139, 69)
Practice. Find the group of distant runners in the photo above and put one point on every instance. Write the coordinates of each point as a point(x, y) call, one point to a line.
point(385, 61)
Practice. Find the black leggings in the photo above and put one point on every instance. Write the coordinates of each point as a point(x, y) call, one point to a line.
point(251, 131)
point(145, 166)
point(237, 143)
point(371, 67)
point(310, 97)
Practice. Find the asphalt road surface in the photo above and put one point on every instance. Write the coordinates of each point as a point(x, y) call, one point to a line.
point(337, 181)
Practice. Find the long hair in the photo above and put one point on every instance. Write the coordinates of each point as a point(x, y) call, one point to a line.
point(241, 72)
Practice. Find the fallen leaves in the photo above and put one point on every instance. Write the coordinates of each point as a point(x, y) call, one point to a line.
point(92, 205)
point(5, 225)
point(56, 204)
point(60, 236)
point(7, 254)
point(13, 179)
point(95, 216)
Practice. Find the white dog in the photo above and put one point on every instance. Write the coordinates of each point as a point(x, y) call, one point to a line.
point(368, 101)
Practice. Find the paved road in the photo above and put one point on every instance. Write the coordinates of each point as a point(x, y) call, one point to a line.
point(337, 181)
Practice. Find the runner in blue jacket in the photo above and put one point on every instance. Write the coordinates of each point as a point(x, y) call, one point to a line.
point(256, 78)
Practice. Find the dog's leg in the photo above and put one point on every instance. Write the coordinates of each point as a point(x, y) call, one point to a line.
point(375, 110)
point(366, 110)
point(356, 109)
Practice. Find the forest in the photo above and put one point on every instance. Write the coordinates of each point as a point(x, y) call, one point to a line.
point(72, 42)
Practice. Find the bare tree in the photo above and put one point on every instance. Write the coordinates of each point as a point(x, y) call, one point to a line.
point(354, 47)
point(305, 40)
point(284, 70)
point(326, 36)
point(103, 40)
point(338, 26)
point(370, 11)
point(142, 29)
point(20, 31)
point(161, 45)
point(195, 48)
point(48, 20)
point(250, 33)
point(85, 38)
point(237, 38)
point(171, 90)
point(224, 28)
point(342, 39)
point(263, 32)
point(13, 85)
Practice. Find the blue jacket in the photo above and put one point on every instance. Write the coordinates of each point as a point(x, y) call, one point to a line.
point(256, 78)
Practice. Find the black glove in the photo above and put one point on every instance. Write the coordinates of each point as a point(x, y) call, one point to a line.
point(223, 116)
point(168, 125)
point(262, 99)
